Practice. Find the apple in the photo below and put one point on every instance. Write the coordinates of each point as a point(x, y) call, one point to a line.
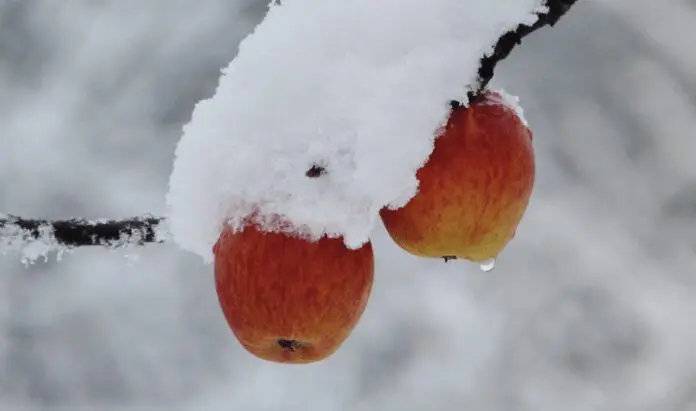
point(288, 299)
point(473, 189)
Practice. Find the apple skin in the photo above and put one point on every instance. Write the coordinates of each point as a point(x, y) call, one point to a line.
point(287, 299)
point(474, 188)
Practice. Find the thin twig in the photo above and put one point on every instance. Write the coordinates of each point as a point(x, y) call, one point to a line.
point(508, 41)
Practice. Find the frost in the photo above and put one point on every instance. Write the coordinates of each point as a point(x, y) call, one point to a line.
point(358, 87)
point(512, 102)
point(15, 238)
point(36, 239)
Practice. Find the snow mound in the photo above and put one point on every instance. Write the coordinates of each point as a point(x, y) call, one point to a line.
point(356, 87)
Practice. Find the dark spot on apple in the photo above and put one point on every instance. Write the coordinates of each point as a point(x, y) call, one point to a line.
point(447, 258)
point(289, 345)
point(315, 171)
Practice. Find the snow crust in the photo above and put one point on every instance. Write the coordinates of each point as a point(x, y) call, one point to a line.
point(33, 245)
point(506, 99)
point(358, 87)
point(31, 248)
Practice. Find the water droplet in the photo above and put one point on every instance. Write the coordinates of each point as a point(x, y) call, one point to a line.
point(488, 265)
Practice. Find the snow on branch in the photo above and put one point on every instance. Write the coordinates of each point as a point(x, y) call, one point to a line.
point(507, 42)
point(36, 237)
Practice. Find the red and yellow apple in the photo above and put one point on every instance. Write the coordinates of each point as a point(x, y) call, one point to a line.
point(473, 189)
point(288, 299)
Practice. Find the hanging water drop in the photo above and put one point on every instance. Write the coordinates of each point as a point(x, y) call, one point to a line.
point(488, 265)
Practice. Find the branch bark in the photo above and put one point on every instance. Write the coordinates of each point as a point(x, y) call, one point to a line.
point(508, 41)
point(21, 233)
point(18, 232)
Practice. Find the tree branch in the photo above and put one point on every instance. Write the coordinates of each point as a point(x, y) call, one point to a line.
point(34, 236)
point(508, 41)
point(37, 235)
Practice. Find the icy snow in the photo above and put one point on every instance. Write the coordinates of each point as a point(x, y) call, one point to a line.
point(15, 238)
point(510, 101)
point(359, 87)
point(33, 246)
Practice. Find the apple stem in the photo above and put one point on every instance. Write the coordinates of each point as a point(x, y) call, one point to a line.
point(289, 345)
point(315, 171)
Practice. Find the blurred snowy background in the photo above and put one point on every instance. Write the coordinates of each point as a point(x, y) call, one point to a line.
point(592, 307)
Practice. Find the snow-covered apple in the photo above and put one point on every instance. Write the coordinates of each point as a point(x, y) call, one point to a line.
point(287, 298)
point(474, 188)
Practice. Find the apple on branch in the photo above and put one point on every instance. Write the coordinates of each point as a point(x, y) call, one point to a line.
point(473, 189)
point(288, 299)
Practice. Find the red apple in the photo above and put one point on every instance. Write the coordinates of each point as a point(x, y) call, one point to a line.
point(474, 188)
point(288, 299)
